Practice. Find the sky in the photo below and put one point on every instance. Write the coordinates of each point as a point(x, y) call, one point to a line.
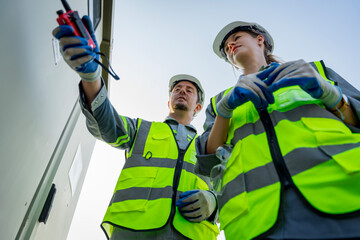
point(154, 40)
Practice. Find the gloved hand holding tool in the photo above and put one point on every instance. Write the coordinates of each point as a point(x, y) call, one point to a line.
point(196, 205)
point(248, 88)
point(76, 50)
point(305, 76)
point(78, 44)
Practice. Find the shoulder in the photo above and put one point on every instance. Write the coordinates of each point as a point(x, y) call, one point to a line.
point(220, 95)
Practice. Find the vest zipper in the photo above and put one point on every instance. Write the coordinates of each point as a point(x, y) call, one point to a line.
point(274, 148)
point(279, 163)
point(177, 174)
point(176, 181)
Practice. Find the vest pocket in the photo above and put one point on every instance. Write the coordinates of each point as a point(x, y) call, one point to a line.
point(347, 160)
point(335, 140)
point(160, 145)
point(133, 189)
point(325, 125)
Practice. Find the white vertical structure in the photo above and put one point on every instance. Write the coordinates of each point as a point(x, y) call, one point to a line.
point(45, 147)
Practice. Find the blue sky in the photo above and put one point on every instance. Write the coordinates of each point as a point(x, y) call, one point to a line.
point(154, 40)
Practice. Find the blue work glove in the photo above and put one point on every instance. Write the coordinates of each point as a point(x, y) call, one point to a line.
point(76, 51)
point(248, 88)
point(307, 78)
point(196, 205)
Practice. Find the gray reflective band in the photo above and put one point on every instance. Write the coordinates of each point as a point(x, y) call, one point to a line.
point(336, 149)
point(298, 160)
point(141, 137)
point(247, 130)
point(232, 189)
point(137, 160)
point(252, 180)
point(189, 167)
point(146, 193)
point(304, 111)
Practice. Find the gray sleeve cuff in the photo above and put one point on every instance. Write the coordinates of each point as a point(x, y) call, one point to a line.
point(99, 99)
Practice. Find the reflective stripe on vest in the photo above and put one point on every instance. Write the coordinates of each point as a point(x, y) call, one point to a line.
point(304, 128)
point(143, 197)
point(122, 139)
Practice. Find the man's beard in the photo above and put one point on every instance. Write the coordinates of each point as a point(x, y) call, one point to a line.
point(181, 106)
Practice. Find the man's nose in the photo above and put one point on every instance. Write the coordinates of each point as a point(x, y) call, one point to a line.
point(182, 91)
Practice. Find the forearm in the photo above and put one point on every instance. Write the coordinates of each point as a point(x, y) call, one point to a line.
point(103, 121)
point(218, 134)
point(91, 89)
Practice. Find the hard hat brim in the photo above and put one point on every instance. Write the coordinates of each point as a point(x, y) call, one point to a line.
point(185, 77)
point(233, 27)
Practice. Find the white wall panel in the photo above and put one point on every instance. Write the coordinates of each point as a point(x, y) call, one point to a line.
point(37, 98)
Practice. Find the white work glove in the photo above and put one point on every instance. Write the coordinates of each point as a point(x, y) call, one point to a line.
point(196, 205)
point(306, 77)
point(76, 51)
point(248, 88)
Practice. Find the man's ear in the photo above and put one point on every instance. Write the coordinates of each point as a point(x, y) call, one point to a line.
point(198, 108)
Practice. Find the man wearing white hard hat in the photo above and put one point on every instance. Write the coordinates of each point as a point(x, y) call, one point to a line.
point(158, 195)
point(289, 168)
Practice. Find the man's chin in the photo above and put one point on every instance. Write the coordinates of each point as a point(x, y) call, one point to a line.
point(181, 106)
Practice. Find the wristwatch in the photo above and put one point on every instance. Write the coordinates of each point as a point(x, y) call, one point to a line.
point(338, 111)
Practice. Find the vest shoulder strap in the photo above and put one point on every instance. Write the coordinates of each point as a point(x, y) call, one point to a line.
point(142, 131)
point(320, 67)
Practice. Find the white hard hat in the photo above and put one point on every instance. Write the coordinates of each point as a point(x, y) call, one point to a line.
point(237, 26)
point(185, 77)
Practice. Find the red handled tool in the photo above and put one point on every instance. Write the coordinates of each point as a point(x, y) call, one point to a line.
point(73, 19)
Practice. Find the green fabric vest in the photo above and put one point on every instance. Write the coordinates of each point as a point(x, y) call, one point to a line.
point(143, 196)
point(320, 153)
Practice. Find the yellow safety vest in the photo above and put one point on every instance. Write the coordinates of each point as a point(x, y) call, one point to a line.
point(156, 172)
point(296, 140)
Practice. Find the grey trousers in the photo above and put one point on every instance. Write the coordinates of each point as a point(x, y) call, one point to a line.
point(166, 233)
point(300, 222)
